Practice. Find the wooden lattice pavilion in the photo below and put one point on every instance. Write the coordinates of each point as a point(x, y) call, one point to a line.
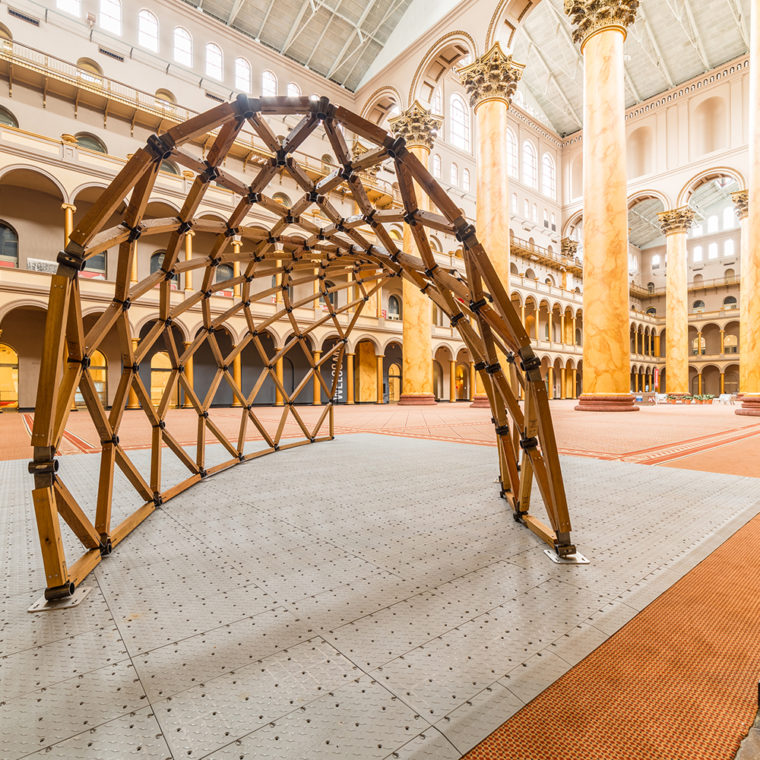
point(294, 250)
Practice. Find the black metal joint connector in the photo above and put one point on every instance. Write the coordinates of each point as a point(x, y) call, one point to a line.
point(476, 306)
point(480, 366)
point(456, 318)
point(492, 369)
point(502, 430)
point(529, 443)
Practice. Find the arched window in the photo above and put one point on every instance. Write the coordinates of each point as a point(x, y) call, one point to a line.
point(466, 180)
point(460, 123)
point(8, 246)
point(656, 261)
point(7, 118)
point(394, 308)
point(729, 302)
point(651, 310)
point(242, 75)
point(548, 176)
point(513, 160)
point(90, 71)
point(281, 198)
point(729, 218)
point(729, 276)
point(147, 30)
point(698, 306)
point(530, 164)
point(74, 7)
point(436, 165)
point(650, 287)
point(156, 259)
point(697, 253)
point(728, 248)
point(436, 102)
point(110, 16)
point(268, 84)
point(330, 296)
point(214, 61)
point(169, 166)
point(90, 142)
point(712, 251)
point(454, 175)
point(183, 46)
point(224, 272)
point(294, 91)
point(8, 377)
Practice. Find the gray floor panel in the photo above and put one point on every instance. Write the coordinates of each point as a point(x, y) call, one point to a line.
point(372, 592)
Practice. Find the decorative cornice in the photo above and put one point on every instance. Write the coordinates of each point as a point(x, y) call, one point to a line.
point(592, 16)
point(741, 201)
point(417, 126)
point(569, 247)
point(492, 76)
point(679, 220)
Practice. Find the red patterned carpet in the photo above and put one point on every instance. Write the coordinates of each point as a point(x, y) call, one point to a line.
point(677, 682)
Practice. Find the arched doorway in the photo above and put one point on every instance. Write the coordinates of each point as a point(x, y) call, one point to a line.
point(160, 371)
point(8, 378)
point(99, 374)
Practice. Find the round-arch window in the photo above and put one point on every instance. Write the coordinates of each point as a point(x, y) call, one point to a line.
point(224, 272)
point(170, 167)
point(729, 301)
point(330, 296)
point(156, 260)
point(281, 198)
point(8, 246)
point(394, 307)
point(7, 118)
point(698, 305)
point(651, 310)
point(90, 142)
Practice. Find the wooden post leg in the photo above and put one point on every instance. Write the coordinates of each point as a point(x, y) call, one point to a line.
point(53, 557)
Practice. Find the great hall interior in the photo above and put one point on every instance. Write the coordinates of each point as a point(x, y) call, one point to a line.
point(496, 258)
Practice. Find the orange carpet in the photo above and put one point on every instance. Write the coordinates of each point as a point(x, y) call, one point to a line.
point(677, 682)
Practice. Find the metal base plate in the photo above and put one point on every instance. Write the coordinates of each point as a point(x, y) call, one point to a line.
point(571, 559)
point(45, 605)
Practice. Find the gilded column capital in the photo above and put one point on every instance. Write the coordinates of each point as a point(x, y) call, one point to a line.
point(357, 151)
point(493, 76)
point(569, 247)
point(592, 16)
point(741, 202)
point(679, 220)
point(417, 126)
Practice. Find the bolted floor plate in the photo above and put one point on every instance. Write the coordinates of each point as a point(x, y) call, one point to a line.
point(44, 605)
point(571, 559)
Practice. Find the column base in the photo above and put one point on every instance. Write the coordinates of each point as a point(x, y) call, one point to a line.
point(480, 401)
point(417, 399)
point(617, 403)
point(750, 406)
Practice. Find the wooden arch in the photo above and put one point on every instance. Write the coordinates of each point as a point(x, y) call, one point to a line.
point(295, 250)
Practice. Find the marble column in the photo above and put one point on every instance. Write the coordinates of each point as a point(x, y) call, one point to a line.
point(237, 376)
point(749, 333)
point(600, 28)
point(187, 404)
point(452, 381)
point(189, 235)
point(68, 221)
point(379, 359)
point(473, 379)
point(418, 127)
point(491, 82)
point(236, 245)
point(278, 370)
point(741, 202)
point(675, 224)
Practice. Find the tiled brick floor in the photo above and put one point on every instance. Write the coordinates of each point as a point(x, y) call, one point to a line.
point(707, 438)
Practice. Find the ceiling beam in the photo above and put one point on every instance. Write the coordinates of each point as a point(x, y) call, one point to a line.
point(696, 42)
point(264, 21)
point(632, 86)
point(697, 37)
point(357, 30)
point(553, 79)
point(234, 10)
point(660, 60)
point(740, 19)
point(296, 26)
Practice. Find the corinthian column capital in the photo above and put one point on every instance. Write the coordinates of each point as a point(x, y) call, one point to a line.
point(741, 202)
point(417, 126)
point(493, 76)
point(569, 247)
point(592, 16)
point(677, 220)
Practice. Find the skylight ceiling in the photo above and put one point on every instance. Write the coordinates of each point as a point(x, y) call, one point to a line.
point(338, 39)
point(671, 42)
